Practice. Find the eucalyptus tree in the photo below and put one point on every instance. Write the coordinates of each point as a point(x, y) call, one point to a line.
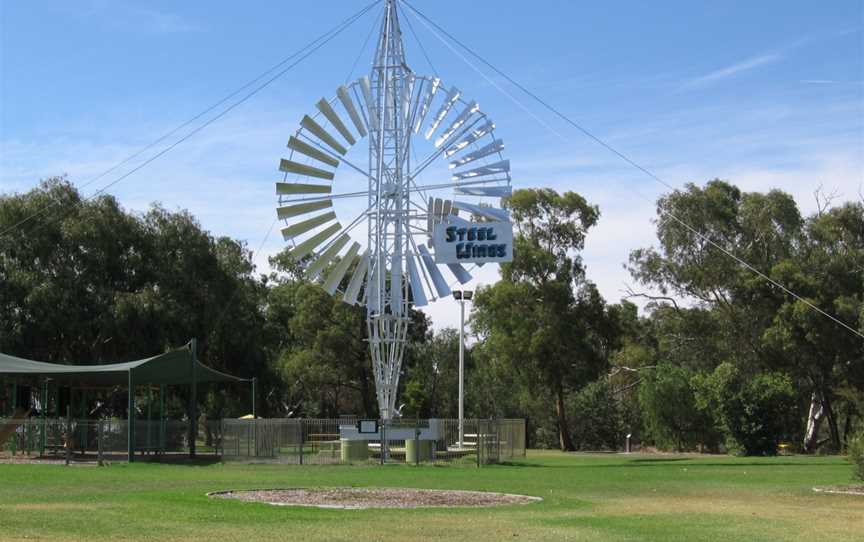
point(760, 229)
point(543, 320)
point(85, 280)
point(758, 326)
point(827, 270)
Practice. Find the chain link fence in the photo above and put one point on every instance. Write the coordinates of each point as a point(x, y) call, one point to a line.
point(306, 441)
point(331, 441)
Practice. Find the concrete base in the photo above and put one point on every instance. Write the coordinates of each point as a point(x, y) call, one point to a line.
point(421, 448)
point(354, 450)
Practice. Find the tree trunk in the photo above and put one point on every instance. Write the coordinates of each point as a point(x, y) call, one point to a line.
point(832, 423)
point(814, 422)
point(847, 427)
point(563, 432)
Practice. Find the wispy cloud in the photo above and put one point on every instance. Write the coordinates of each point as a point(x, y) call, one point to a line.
point(131, 17)
point(829, 82)
point(732, 70)
point(163, 22)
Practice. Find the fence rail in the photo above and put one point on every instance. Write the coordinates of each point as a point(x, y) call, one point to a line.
point(305, 441)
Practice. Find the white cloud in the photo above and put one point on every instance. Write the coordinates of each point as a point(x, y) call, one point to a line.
point(132, 17)
point(732, 70)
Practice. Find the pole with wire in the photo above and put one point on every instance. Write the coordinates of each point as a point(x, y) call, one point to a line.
point(462, 296)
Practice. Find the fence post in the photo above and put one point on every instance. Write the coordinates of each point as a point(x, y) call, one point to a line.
point(416, 441)
point(479, 443)
point(300, 426)
point(498, 439)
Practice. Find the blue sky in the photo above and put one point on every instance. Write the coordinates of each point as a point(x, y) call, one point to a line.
point(765, 94)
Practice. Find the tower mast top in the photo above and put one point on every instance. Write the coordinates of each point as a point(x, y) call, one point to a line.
point(390, 52)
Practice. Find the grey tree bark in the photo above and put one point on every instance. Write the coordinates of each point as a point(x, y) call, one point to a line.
point(814, 422)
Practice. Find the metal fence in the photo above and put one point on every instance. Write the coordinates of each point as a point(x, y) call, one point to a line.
point(82, 440)
point(330, 441)
point(304, 441)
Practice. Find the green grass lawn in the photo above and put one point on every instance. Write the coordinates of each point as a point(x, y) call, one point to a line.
point(586, 497)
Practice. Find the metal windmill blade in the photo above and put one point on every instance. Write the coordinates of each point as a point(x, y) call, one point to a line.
point(388, 266)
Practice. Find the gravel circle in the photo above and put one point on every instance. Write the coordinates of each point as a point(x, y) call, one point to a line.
point(355, 498)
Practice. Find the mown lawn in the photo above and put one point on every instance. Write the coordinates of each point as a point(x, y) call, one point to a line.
point(586, 497)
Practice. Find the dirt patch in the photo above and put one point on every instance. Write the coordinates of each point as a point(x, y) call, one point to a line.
point(359, 498)
point(841, 490)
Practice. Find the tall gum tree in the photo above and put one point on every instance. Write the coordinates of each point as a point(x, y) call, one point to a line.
point(543, 320)
point(760, 326)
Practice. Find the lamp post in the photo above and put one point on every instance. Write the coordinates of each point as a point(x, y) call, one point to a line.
point(462, 296)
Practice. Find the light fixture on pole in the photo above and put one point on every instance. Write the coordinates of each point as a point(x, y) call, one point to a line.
point(462, 296)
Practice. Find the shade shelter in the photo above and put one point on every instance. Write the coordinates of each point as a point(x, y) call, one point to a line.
point(176, 367)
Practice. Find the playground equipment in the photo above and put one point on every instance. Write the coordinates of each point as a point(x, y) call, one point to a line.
point(401, 113)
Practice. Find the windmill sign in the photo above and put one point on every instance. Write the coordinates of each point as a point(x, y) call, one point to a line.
point(473, 242)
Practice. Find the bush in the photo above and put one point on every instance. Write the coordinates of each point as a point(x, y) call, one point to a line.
point(756, 411)
point(595, 418)
point(670, 411)
point(856, 454)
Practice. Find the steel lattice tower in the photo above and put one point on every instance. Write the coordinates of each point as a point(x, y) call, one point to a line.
point(389, 212)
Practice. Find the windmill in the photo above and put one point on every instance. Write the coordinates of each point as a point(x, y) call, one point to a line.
point(398, 111)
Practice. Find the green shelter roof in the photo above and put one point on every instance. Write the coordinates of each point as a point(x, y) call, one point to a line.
point(174, 367)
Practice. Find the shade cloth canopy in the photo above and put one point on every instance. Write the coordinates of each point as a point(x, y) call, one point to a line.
point(174, 367)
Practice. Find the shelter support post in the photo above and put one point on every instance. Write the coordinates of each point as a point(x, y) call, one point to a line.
point(83, 419)
point(193, 400)
point(67, 440)
point(149, 416)
point(44, 436)
point(162, 418)
point(130, 426)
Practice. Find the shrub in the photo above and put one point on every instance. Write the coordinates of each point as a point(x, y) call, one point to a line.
point(595, 418)
point(856, 454)
point(756, 411)
point(669, 409)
